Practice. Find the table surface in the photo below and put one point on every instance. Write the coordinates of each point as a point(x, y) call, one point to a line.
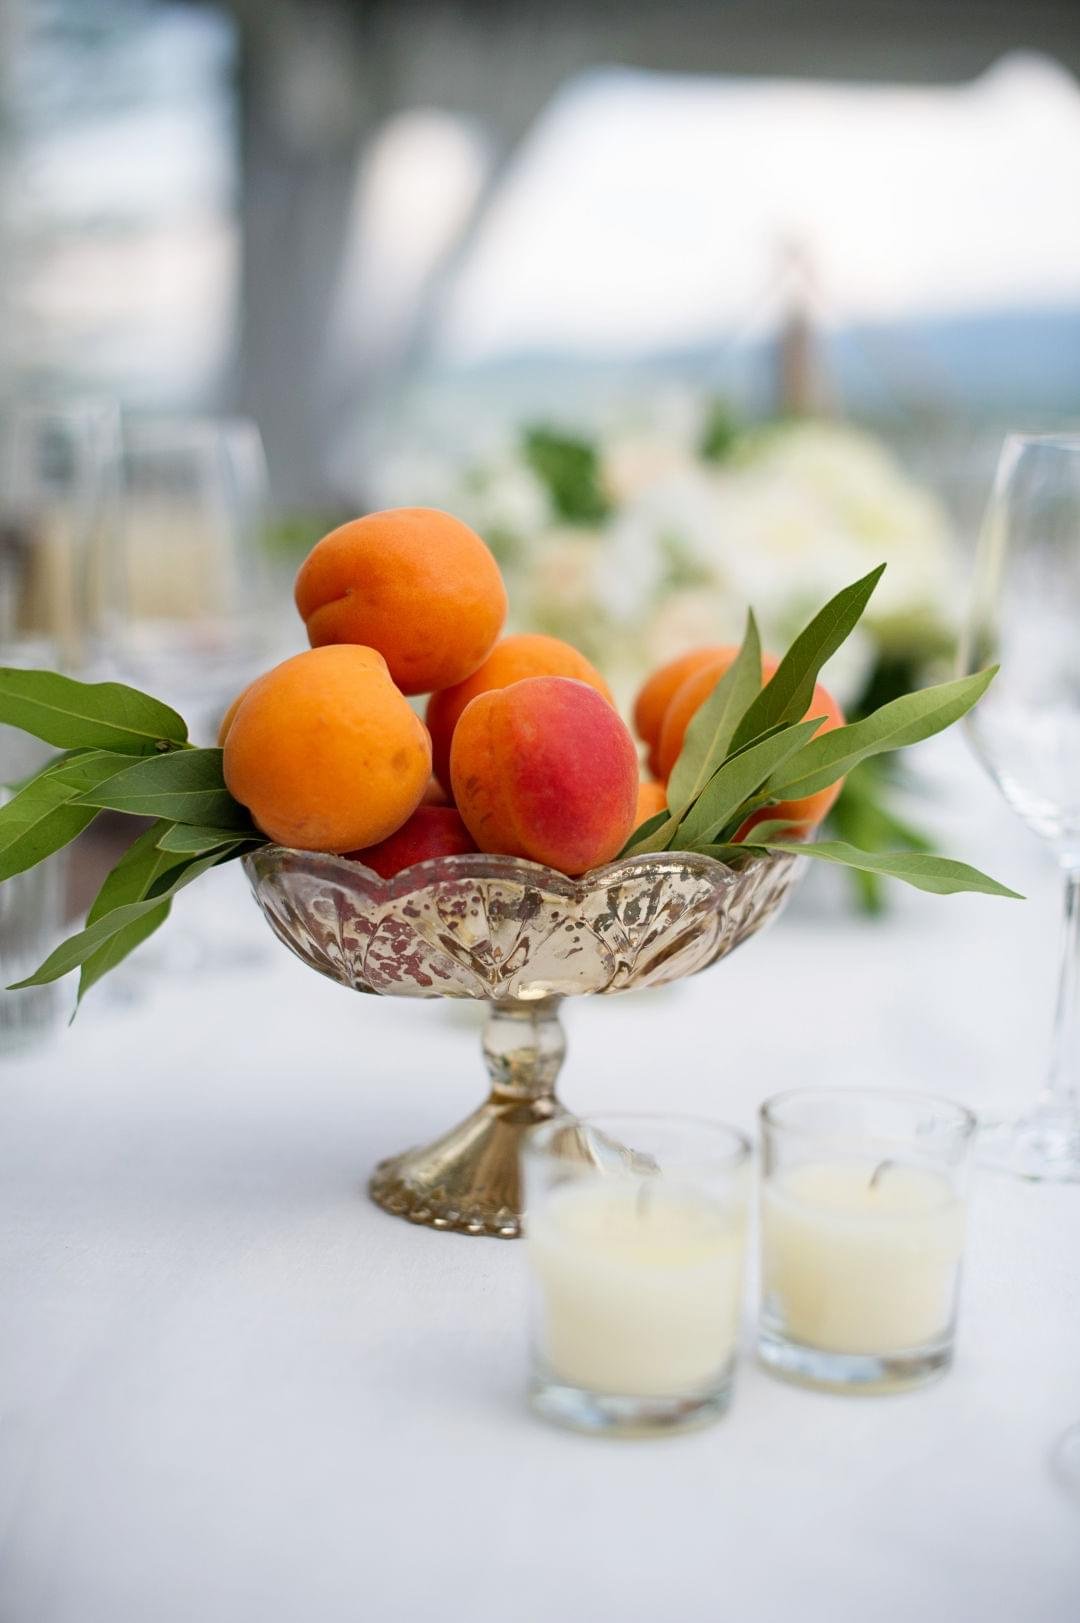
point(232, 1389)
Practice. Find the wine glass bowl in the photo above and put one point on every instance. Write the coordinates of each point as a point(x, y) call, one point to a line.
point(520, 937)
point(1025, 615)
point(187, 591)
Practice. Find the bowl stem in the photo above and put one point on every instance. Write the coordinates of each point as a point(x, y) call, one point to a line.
point(469, 1180)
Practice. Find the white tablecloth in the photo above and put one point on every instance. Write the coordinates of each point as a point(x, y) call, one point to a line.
point(231, 1389)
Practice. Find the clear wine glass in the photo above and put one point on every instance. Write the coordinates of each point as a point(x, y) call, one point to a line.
point(1025, 615)
point(186, 605)
point(59, 467)
point(188, 586)
point(58, 471)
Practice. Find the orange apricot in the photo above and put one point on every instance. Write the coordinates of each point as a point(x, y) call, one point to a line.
point(230, 715)
point(511, 660)
point(546, 769)
point(802, 814)
point(326, 753)
point(684, 703)
point(651, 798)
point(431, 831)
point(656, 694)
point(416, 584)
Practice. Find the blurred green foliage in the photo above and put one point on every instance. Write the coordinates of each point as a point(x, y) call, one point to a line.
point(569, 469)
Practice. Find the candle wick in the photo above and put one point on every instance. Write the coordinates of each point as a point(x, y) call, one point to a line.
point(881, 1167)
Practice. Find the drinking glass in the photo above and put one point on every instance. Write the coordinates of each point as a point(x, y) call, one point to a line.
point(58, 507)
point(635, 1232)
point(187, 591)
point(186, 604)
point(58, 485)
point(1025, 615)
point(862, 1236)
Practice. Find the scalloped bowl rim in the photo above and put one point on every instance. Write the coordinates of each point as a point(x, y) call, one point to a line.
point(476, 865)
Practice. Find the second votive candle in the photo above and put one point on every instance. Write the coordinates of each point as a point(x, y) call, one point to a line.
point(862, 1235)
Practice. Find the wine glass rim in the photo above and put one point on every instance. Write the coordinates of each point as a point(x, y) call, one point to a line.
point(772, 1111)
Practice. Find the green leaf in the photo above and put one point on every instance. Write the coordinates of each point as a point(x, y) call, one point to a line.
point(54, 764)
point(737, 780)
point(642, 839)
point(131, 880)
point(789, 693)
point(185, 787)
point(773, 828)
point(79, 948)
point(47, 814)
point(863, 817)
point(941, 875)
point(133, 877)
point(89, 769)
point(120, 946)
point(37, 822)
point(194, 840)
point(905, 721)
point(729, 853)
point(711, 729)
point(93, 715)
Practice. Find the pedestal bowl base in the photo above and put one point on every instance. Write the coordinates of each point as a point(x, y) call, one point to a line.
point(518, 937)
point(467, 1180)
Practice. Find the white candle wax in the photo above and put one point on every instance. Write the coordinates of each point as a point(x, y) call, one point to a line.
point(858, 1263)
point(640, 1285)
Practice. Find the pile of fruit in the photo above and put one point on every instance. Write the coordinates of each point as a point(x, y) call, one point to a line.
point(523, 753)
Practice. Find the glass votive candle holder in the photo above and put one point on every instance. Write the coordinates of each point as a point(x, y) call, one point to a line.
point(635, 1231)
point(862, 1235)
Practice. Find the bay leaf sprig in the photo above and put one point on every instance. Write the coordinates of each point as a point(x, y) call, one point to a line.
point(121, 750)
point(80, 948)
point(748, 748)
point(786, 696)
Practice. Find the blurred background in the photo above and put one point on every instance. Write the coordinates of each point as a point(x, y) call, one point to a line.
point(355, 222)
point(682, 305)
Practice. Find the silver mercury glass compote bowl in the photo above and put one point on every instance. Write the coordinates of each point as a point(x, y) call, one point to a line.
point(521, 937)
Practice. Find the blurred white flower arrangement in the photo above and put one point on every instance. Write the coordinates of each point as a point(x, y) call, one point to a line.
point(636, 545)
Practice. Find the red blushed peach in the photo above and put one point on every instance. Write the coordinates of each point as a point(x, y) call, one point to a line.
point(511, 660)
point(431, 831)
point(546, 769)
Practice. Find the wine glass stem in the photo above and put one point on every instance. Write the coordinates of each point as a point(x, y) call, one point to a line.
point(1061, 1088)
